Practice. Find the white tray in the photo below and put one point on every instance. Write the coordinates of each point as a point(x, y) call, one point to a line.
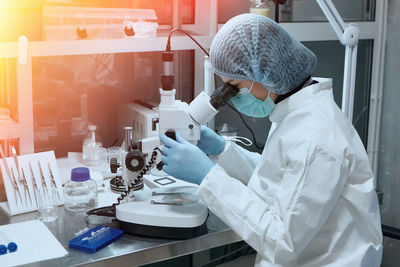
point(17, 203)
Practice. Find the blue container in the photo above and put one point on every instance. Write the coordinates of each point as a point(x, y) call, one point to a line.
point(95, 239)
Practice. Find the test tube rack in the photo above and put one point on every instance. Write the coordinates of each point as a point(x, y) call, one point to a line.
point(95, 239)
point(40, 172)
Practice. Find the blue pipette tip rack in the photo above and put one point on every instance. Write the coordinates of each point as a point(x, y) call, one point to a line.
point(95, 239)
point(3, 249)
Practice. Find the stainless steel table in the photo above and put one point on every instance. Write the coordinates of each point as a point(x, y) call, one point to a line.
point(129, 250)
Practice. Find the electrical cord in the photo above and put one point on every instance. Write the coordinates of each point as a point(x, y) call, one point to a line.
point(109, 211)
point(247, 126)
point(244, 122)
point(145, 169)
point(176, 29)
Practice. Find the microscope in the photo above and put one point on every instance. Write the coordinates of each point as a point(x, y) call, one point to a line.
point(139, 212)
point(174, 116)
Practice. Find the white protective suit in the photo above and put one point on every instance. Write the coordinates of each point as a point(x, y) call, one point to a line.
point(309, 199)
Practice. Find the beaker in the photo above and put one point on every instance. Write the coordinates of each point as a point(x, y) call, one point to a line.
point(47, 205)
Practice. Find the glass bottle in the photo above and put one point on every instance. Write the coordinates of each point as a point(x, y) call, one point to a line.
point(80, 193)
point(91, 147)
point(260, 7)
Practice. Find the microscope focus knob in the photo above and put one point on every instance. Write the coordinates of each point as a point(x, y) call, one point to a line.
point(114, 165)
point(135, 160)
point(171, 134)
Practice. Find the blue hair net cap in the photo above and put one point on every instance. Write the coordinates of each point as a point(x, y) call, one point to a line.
point(254, 47)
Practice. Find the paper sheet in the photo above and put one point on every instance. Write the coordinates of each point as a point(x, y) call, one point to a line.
point(35, 243)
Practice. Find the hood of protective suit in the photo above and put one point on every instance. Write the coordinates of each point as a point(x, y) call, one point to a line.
point(254, 47)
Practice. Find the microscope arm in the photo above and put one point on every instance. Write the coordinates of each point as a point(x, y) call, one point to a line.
point(348, 36)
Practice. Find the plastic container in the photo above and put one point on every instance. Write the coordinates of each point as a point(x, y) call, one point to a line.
point(80, 193)
point(74, 23)
point(92, 148)
point(95, 239)
point(260, 7)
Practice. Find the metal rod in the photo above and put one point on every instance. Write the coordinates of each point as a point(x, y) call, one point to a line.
point(26, 189)
point(277, 12)
point(128, 138)
point(43, 179)
point(12, 181)
point(166, 203)
point(391, 232)
point(21, 178)
point(167, 194)
point(53, 181)
point(15, 185)
point(35, 188)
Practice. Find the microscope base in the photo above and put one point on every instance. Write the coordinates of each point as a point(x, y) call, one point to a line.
point(173, 212)
point(162, 232)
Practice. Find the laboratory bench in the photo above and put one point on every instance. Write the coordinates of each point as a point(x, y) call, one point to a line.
point(130, 250)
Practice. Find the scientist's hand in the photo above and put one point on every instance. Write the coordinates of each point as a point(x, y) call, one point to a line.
point(210, 142)
point(184, 160)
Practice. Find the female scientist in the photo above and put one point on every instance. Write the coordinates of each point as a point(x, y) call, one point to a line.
point(308, 199)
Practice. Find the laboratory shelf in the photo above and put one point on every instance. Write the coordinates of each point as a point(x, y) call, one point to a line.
point(19, 130)
point(125, 45)
point(179, 41)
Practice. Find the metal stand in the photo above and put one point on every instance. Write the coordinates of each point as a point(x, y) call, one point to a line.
point(348, 36)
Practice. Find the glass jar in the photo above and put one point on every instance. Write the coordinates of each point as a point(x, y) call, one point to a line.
point(260, 7)
point(80, 193)
point(48, 206)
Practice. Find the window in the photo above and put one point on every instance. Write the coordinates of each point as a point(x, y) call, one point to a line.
point(71, 92)
point(302, 10)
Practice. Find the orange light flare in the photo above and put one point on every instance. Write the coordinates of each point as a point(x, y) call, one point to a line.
point(19, 17)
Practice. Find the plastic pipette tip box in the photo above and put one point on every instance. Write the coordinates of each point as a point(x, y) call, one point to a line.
point(95, 239)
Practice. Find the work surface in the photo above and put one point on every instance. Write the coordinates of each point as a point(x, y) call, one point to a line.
point(129, 250)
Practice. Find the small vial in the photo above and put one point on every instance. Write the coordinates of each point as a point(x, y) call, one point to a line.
point(260, 7)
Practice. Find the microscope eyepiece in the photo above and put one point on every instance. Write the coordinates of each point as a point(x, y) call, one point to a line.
point(223, 94)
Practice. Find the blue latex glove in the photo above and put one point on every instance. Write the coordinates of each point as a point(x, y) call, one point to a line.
point(184, 160)
point(210, 142)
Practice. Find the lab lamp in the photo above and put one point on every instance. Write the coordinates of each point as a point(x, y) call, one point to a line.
point(348, 36)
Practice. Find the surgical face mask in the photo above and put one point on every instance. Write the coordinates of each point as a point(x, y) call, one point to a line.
point(248, 104)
